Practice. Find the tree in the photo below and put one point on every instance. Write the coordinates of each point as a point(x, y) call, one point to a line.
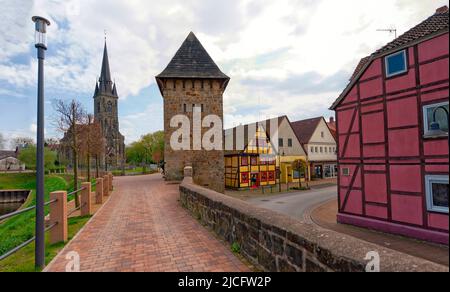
point(149, 149)
point(301, 167)
point(70, 118)
point(91, 144)
point(22, 142)
point(28, 156)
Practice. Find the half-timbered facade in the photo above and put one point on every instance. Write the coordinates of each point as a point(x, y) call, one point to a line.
point(392, 127)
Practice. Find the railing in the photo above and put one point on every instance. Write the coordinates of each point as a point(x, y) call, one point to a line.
point(28, 242)
point(48, 228)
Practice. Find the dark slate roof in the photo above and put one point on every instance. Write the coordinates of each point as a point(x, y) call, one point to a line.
point(105, 85)
point(192, 61)
point(360, 66)
point(305, 129)
point(433, 25)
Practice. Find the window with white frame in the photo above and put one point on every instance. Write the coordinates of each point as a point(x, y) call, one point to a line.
point(435, 119)
point(437, 193)
point(396, 64)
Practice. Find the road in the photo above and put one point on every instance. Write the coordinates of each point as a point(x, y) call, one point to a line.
point(297, 205)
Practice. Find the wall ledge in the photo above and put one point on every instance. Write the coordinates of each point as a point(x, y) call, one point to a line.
point(276, 242)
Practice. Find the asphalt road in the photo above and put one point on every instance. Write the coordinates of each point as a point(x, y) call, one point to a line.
point(297, 205)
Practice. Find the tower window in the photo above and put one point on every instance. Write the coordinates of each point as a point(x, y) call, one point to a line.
point(396, 64)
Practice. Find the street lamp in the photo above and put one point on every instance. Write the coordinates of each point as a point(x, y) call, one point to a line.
point(41, 46)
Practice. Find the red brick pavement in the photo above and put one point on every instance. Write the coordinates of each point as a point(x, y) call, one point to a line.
point(143, 228)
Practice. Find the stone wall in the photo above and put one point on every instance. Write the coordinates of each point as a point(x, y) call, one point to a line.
point(274, 242)
point(209, 168)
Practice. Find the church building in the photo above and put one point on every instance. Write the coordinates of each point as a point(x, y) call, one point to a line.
point(106, 112)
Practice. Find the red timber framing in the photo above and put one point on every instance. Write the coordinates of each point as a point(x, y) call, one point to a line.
point(381, 143)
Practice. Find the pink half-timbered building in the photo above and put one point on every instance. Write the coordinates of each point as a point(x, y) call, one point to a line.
point(392, 127)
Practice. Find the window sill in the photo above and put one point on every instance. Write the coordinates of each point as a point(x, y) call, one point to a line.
point(435, 136)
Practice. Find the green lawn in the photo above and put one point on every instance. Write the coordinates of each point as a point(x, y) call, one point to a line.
point(21, 228)
point(134, 171)
point(23, 261)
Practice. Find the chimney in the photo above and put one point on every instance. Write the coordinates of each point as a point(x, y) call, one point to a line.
point(442, 9)
point(332, 120)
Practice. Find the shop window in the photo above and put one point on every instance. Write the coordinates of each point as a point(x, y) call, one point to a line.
point(271, 176)
point(437, 193)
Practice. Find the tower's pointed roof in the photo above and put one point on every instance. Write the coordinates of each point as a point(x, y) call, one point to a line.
point(192, 61)
point(105, 84)
point(105, 75)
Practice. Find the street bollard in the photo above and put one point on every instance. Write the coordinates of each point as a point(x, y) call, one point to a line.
point(99, 192)
point(58, 216)
point(106, 186)
point(86, 201)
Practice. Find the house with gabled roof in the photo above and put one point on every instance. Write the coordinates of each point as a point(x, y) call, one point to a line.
point(320, 145)
point(392, 126)
point(265, 152)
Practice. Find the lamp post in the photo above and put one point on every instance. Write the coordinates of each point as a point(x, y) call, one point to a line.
point(41, 46)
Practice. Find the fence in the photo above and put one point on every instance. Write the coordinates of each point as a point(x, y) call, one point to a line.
point(58, 216)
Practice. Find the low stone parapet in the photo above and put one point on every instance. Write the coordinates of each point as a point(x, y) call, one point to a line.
point(275, 242)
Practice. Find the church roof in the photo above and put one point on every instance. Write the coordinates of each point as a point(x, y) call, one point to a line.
point(105, 84)
point(105, 75)
point(192, 61)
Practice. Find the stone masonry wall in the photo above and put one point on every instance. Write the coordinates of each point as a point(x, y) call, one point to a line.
point(274, 242)
point(208, 166)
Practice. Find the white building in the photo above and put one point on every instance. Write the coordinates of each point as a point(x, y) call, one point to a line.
point(320, 145)
point(9, 161)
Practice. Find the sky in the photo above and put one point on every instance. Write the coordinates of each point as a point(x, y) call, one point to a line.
point(284, 57)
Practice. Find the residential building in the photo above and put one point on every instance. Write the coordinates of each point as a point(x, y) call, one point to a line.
point(9, 161)
point(320, 145)
point(392, 124)
point(269, 149)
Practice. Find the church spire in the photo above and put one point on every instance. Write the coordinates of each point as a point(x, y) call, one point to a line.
point(106, 72)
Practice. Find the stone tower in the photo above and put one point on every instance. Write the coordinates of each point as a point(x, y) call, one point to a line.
point(192, 79)
point(106, 112)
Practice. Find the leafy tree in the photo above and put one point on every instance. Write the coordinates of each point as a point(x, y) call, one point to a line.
point(28, 156)
point(150, 148)
point(301, 167)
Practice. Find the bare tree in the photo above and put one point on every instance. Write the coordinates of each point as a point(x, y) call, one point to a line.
point(92, 144)
point(97, 145)
point(70, 119)
point(22, 142)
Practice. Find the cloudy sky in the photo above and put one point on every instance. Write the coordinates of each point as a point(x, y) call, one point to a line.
point(289, 57)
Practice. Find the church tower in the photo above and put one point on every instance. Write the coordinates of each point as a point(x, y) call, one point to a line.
point(193, 80)
point(106, 112)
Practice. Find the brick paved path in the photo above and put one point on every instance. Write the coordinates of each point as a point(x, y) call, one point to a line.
point(143, 228)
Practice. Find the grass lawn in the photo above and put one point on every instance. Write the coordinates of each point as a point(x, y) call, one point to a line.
point(23, 261)
point(134, 171)
point(18, 229)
